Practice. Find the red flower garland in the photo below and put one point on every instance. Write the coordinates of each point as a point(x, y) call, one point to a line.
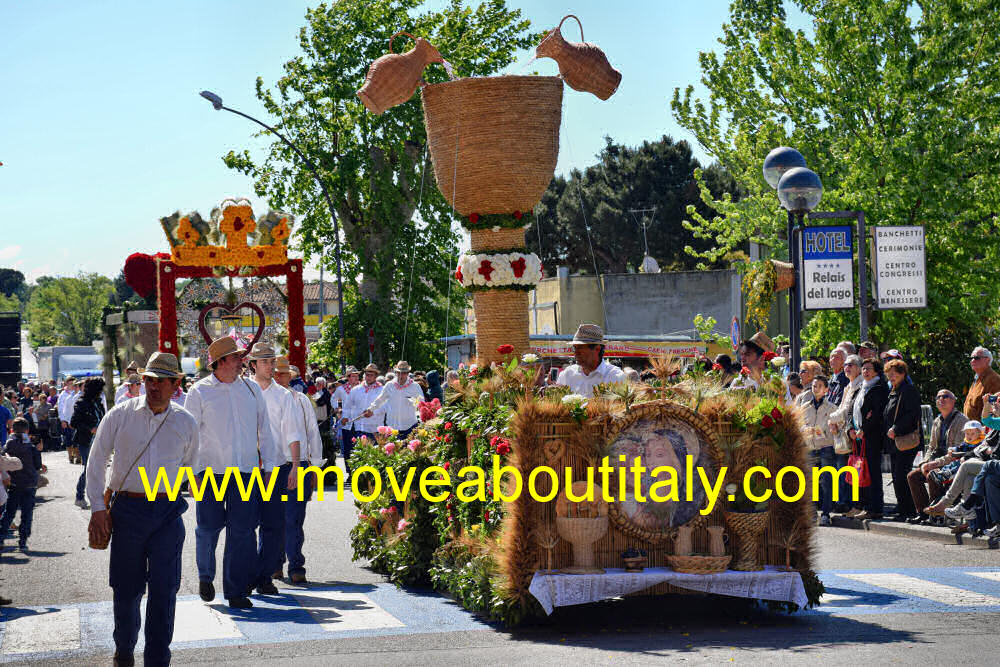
point(486, 269)
point(518, 265)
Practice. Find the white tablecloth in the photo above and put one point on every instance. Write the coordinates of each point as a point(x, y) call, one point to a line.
point(561, 590)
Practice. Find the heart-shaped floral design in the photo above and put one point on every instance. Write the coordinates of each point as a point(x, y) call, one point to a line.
point(203, 315)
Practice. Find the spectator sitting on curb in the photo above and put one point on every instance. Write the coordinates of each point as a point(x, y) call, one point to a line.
point(946, 433)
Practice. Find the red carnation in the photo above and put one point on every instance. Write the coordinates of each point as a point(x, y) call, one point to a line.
point(776, 413)
point(505, 348)
point(518, 266)
point(518, 215)
point(486, 268)
point(447, 438)
point(767, 422)
point(474, 218)
point(447, 426)
point(716, 367)
point(503, 448)
point(486, 516)
point(458, 274)
point(768, 355)
point(447, 465)
point(744, 371)
point(494, 441)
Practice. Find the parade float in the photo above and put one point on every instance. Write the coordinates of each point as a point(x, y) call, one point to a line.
point(494, 144)
point(230, 244)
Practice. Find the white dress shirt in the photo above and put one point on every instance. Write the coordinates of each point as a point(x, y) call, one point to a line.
point(395, 402)
point(311, 447)
point(282, 415)
point(359, 400)
point(65, 404)
point(583, 383)
point(124, 432)
point(232, 424)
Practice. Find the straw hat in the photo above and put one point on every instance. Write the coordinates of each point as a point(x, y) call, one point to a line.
point(588, 334)
point(134, 379)
point(351, 370)
point(402, 367)
point(261, 351)
point(761, 340)
point(281, 364)
point(162, 365)
point(371, 367)
point(221, 347)
point(133, 367)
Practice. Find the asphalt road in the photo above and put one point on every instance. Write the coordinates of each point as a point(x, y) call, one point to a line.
point(892, 599)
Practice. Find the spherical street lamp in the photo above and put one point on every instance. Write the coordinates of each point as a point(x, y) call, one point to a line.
point(799, 190)
point(779, 161)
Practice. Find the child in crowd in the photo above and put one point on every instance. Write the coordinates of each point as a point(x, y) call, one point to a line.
point(24, 482)
point(7, 464)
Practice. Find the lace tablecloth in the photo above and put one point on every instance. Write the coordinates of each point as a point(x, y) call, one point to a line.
point(561, 590)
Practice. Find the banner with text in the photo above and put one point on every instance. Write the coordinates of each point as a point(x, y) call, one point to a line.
point(827, 268)
point(900, 267)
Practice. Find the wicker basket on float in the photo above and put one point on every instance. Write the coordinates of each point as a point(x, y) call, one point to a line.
point(494, 141)
point(501, 319)
point(747, 528)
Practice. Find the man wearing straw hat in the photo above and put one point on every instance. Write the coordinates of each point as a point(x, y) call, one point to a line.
point(359, 400)
point(284, 455)
point(312, 454)
point(132, 387)
point(341, 399)
point(132, 370)
point(754, 354)
point(398, 401)
point(590, 368)
point(234, 430)
point(156, 435)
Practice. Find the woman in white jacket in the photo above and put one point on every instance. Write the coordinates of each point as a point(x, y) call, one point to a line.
point(819, 441)
point(840, 424)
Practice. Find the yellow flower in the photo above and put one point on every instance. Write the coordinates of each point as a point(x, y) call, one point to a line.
point(280, 232)
point(187, 234)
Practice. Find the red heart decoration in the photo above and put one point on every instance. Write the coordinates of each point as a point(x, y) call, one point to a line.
point(140, 273)
point(231, 309)
point(237, 224)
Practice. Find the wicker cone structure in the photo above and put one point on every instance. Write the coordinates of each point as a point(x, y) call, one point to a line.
point(494, 141)
point(487, 240)
point(501, 319)
point(747, 529)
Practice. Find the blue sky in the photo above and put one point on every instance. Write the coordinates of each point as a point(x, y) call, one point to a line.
point(103, 131)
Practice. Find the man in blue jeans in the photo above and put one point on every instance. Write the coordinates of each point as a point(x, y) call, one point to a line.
point(23, 483)
point(234, 430)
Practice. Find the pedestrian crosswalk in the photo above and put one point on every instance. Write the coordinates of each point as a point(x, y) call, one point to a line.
point(906, 591)
point(298, 614)
point(71, 631)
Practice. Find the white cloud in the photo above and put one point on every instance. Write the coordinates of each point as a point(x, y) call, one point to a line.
point(9, 252)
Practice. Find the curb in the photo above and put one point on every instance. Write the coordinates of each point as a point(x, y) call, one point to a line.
point(931, 533)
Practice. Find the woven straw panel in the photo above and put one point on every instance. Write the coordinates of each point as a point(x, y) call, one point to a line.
point(494, 141)
point(485, 240)
point(501, 319)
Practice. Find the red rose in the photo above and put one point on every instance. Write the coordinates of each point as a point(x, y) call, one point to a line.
point(447, 465)
point(503, 448)
point(716, 367)
point(447, 438)
point(518, 215)
point(474, 218)
point(447, 426)
point(505, 349)
point(768, 355)
point(776, 413)
point(767, 422)
point(494, 441)
point(744, 371)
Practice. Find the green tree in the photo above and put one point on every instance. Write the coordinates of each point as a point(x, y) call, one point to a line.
point(657, 174)
point(394, 221)
point(12, 284)
point(894, 104)
point(67, 311)
point(9, 304)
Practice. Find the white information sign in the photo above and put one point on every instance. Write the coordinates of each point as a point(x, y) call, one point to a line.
point(900, 267)
point(827, 268)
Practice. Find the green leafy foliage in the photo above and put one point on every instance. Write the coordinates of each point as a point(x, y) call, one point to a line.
point(67, 311)
point(656, 174)
point(895, 106)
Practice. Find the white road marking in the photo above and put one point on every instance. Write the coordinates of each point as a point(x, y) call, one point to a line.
point(45, 631)
point(992, 576)
point(921, 588)
point(194, 621)
point(337, 611)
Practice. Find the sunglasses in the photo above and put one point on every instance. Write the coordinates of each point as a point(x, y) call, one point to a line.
point(978, 356)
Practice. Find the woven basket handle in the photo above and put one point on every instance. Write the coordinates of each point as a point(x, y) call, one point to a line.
point(568, 16)
point(402, 32)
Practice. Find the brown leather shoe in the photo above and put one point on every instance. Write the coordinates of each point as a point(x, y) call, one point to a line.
point(278, 574)
point(299, 578)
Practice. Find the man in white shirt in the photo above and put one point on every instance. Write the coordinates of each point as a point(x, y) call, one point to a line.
point(132, 370)
point(590, 368)
point(64, 406)
point(234, 432)
point(132, 387)
point(348, 411)
point(312, 454)
point(754, 353)
point(153, 434)
point(285, 454)
point(396, 401)
point(359, 400)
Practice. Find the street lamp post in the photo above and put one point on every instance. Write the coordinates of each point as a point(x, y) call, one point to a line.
point(799, 191)
point(218, 106)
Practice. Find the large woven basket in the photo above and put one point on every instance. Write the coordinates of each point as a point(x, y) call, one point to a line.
point(699, 564)
point(786, 275)
point(494, 141)
point(748, 530)
point(501, 319)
